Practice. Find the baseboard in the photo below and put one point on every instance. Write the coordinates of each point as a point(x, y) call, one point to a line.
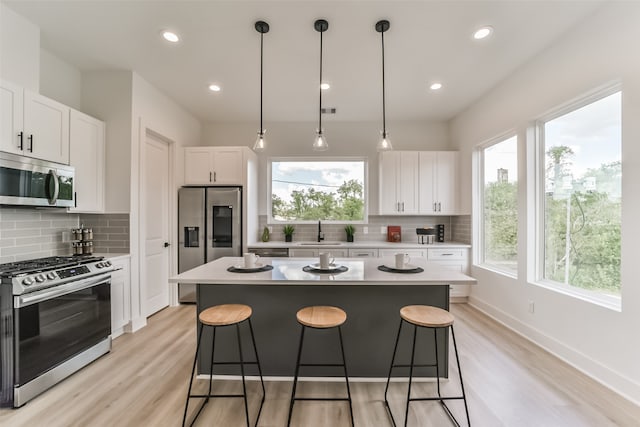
point(135, 325)
point(609, 378)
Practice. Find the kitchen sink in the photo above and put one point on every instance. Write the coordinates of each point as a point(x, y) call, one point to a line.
point(320, 243)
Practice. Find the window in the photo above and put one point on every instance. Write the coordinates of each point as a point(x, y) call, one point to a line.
point(499, 205)
point(580, 210)
point(306, 190)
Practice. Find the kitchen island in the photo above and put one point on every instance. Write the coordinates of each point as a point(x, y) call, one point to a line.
point(371, 298)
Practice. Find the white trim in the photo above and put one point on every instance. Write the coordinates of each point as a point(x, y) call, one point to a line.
point(613, 380)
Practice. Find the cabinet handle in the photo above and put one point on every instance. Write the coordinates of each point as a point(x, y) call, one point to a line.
point(446, 254)
point(75, 199)
point(439, 207)
point(20, 135)
point(215, 179)
point(435, 206)
point(31, 143)
point(363, 254)
point(397, 206)
point(402, 206)
point(210, 176)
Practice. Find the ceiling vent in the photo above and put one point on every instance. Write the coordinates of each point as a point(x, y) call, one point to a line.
point(328, 110)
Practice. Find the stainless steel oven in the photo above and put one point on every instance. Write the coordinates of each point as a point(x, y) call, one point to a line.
point(52, 331)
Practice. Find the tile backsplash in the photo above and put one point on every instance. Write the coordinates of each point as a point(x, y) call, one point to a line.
point(27, 233)
point(110, 231)
point(457, 228)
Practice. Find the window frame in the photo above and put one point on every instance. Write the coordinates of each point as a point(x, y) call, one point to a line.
point(607, 301)
point(480, 192)
point(365, 190)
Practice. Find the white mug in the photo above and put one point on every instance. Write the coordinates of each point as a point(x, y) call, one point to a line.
point(326, 260)
point(250, 260)
point(402, 260)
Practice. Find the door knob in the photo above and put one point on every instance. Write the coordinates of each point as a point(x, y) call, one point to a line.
point(166, 244)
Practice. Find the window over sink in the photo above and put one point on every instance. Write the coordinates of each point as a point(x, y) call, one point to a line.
point(312, 189)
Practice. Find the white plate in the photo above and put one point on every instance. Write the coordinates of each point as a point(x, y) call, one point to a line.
point(316, 266)
point(406, 267)
point(242, 267)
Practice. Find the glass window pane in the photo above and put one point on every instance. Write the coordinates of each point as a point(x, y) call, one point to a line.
point(318, 190)
point(500, 205)
point(583, 197)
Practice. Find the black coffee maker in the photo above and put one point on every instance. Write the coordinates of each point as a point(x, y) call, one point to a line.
point(439, 232)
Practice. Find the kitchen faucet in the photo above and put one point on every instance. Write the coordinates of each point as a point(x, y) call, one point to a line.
point(320, 233)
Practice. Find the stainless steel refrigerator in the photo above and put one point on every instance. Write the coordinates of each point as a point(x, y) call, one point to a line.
point(209, 227)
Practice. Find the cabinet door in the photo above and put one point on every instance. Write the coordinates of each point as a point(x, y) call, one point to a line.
point(11, 109)
point(388, 163)
point(447, 182)
point(197, 165)
point(428, 204)
point(120, 283)
point(408, 183)
point(86, 154)
point(227, 166)
point(46, 128)
point(303, 253)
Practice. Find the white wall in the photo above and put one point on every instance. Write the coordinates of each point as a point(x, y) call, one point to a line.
point(602, 342)
point(344, 138)
point(60, 80)
point(19, 50)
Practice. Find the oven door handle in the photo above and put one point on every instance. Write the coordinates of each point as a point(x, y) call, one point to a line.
point(60, 290)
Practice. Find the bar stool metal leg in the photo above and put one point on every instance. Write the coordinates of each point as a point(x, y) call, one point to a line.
point(255, 351)
point(393, 358)
point(413, 355)
point(244, 385)
point(295, 377)
point(346, 375)
point(464, 396)
point(193, 371)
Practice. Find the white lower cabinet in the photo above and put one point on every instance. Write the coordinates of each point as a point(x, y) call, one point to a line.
point(313, 253)
point(453, 259)
point(363, 253)
point(120, 303)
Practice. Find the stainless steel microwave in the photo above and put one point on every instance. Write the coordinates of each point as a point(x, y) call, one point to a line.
point(32, 182)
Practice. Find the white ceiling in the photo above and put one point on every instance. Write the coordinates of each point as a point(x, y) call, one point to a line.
point(428, 41)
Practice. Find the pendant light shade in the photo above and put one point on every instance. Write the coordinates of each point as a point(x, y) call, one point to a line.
point(320, 142)
point(260, 144)
point(384, 144)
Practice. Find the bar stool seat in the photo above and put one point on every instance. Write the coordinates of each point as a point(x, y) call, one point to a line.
point(320, 317)
point(424, 316)
point(225, 315)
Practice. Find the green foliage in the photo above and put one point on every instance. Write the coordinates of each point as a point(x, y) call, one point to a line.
point(311, 204)
point(501, 224)
point(288, 230)
point(349, 229)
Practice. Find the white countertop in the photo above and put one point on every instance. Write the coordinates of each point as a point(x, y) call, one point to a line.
point(358, 245)
point(288, 271)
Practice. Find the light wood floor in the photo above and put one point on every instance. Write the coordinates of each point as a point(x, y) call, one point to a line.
point(143, 381)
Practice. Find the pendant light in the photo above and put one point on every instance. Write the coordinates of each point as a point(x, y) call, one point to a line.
point(320, 143)
point(385, 143)
point(261, 27)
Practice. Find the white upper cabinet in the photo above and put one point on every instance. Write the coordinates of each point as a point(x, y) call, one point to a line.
point(438, 182)
point(87, 155)
point(33, 125)
point(213, 166)
point(399, 183)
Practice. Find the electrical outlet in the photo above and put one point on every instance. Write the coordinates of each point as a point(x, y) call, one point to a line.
point(270, 229)
point(66, 236)
point(383, 230)
point(365, 230)
point(531, 307)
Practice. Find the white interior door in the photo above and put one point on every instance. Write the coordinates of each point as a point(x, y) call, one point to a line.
point(156, 225)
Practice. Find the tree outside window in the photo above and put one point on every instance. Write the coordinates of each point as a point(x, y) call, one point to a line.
point(499, 222)
point(583, 197)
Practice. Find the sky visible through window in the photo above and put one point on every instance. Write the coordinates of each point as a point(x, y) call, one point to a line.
point(325, 176)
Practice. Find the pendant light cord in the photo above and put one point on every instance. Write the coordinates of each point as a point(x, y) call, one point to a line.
point(320, 86)
point(384, 113)
point(261, 54)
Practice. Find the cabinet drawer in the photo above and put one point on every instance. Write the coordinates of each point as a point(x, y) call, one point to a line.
point(446, 254)
point(363, 253)
point(410, 252)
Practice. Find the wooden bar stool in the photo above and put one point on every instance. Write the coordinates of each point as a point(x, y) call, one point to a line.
point(320, 317)
point(221, 316)
point(425, 316)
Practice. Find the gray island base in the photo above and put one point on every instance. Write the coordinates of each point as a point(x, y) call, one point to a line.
point(371, 299)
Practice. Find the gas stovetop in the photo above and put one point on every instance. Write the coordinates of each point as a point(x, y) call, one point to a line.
point(32, 275)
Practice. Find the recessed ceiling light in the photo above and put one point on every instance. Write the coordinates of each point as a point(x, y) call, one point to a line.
point(435, 86)
point(170, 36)
point(483, 32)
point(214, 88)
point(325, 86)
